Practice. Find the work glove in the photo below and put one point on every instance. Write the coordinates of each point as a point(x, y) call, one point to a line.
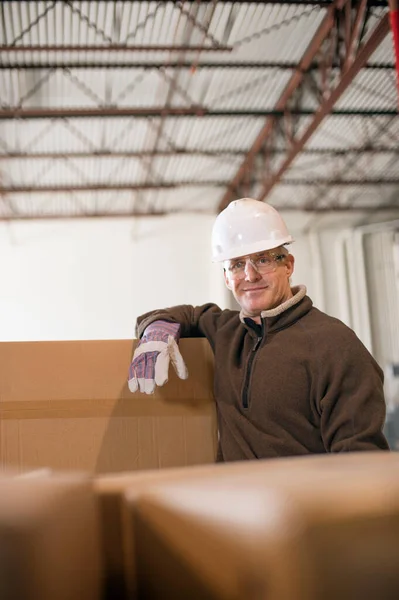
point(150, 363)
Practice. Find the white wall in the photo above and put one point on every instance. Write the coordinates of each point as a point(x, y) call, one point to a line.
point(90, 279)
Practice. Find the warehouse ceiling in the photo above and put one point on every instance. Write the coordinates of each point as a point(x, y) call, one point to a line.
point(129, 107)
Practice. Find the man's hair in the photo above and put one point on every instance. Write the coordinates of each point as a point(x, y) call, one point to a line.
point(282, 250)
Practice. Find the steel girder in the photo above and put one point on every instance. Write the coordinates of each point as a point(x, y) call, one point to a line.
point(338, 36)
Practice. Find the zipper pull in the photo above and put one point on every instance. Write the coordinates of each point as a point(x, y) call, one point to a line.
point(257, 344)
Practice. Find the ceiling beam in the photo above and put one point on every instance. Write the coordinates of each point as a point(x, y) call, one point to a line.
point(163, 111)
point(83, 215)
point(130, 187)
point(123, 154)
point(112, 48)
point(374, 40)
point(105, 187)
point(342, 182)
point(386, 207)
point(315, 3)
point(282, 66)
point(224, 152)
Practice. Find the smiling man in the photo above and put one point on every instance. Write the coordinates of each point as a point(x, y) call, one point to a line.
point(256, 282)
point(289, 379)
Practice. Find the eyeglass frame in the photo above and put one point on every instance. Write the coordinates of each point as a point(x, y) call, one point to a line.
point(276, 257)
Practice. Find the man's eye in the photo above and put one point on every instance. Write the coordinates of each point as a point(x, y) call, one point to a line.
point(237, 266)
point(263, 260)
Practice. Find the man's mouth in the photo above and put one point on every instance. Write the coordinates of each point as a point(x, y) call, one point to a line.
point(256, 289)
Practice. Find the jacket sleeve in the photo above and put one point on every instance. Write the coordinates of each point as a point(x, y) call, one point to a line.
point(195, 321)
point(352, 405)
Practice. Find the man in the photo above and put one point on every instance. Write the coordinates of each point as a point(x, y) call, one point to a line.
point(289, 379)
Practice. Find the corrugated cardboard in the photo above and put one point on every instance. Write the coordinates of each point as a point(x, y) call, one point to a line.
point(49, 539)
point(120, 492)
point(310, 529)
point(66, 405)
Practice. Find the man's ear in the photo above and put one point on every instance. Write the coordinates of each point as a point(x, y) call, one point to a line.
point(289, 263)
point(226, 279)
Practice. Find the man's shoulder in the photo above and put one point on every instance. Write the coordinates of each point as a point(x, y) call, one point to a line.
point(333, 342)
point(320, 323)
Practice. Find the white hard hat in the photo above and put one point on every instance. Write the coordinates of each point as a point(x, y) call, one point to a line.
point(247, 226)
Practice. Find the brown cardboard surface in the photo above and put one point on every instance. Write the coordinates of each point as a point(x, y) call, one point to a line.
point(117, 548)
point(121, 491)
point(49, 539)
point(66, 405)
point(298, 529)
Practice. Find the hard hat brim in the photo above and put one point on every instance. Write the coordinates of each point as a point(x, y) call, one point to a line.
point(259, 246)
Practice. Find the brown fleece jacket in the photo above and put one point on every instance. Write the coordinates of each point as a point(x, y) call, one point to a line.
point(302, 383)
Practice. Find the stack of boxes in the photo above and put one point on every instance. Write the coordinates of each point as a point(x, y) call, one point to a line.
point(130, 505)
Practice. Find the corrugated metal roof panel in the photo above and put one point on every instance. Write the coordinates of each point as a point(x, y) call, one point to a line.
point(186, 168)
point(368, 165)
point(370, 90)
point(255, 32)
point(344, 132)
point(215, 133)
point(330, 197)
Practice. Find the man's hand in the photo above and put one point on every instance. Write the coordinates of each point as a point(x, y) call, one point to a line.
point(150, 364)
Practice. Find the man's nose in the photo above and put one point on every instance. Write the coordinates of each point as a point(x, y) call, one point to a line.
point(251, 274)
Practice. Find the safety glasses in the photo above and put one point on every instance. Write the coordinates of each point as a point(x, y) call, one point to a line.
point(263, 263)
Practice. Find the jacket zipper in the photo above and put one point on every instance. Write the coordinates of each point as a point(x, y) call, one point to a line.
point(251, 358)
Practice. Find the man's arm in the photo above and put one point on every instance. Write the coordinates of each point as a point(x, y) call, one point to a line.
point(353, 405)
point(194, 321)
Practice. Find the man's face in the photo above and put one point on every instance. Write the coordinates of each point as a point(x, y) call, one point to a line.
point(254, 289)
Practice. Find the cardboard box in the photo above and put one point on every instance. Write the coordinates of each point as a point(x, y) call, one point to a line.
point(301, 529)
point(67, 406)
point(117, 543)
point(49, 538)
point(119, 494)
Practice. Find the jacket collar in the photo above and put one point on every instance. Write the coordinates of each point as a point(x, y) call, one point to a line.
point(298, 293)
point(285, 314)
